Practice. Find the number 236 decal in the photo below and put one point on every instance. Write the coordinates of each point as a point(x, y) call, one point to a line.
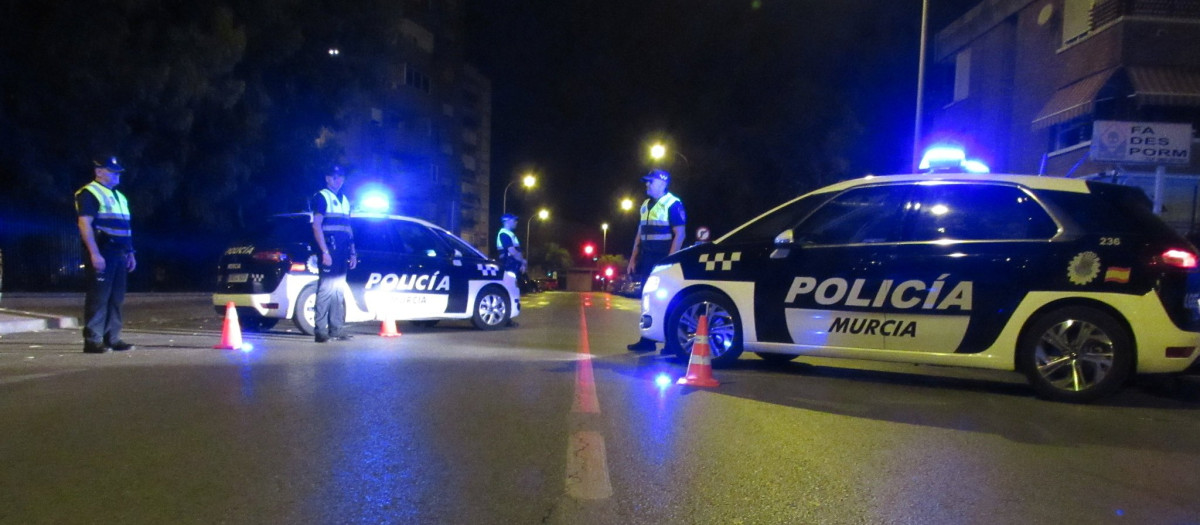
point(1110, 241)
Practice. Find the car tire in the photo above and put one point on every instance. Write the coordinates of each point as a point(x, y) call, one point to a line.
point(774, 358)
point(304, 314)
point(724, 327)
point(491, 308)
point(258, 323)
point(1076, 355)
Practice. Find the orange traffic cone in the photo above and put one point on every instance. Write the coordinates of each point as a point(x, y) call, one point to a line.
point(231, 335)
point(388, 328)
point(699, 371)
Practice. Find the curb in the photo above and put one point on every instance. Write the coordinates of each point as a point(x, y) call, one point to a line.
point(17, 321)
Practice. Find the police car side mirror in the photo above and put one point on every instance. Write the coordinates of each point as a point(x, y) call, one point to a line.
point(785, 238)
point(457, 253)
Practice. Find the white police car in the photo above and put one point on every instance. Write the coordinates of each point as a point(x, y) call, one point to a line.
point(408, 269)
point(1074, 283)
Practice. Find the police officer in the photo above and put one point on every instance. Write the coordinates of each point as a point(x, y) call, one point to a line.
point(660, 233)
point(335, 240)
point(511, 259)
point(104, 227)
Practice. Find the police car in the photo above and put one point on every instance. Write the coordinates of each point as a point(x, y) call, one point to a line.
point(1077, 284)
point(408, 269)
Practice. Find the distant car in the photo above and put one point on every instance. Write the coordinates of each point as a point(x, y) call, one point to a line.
point(408, 270)
point(627, 286)
point(1076, 284)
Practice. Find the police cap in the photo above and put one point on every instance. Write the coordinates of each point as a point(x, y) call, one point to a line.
point(657, 175)
point(508, 217)
point(108, 163)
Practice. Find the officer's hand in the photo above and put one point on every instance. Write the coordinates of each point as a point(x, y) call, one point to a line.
point(353, 260)
point(522, 268)
point(326, 260)
point(629, 267)
point(130, 263)
point(98, 262)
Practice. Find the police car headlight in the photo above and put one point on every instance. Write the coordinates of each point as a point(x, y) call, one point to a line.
point(651, 284)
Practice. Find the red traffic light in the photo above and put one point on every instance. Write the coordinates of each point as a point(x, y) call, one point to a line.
point(589, 249)
point(608, 272)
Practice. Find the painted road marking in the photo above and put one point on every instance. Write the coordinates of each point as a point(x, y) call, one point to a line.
point(587, 461)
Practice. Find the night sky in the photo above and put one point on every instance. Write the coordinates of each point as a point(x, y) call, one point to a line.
point(765, 99)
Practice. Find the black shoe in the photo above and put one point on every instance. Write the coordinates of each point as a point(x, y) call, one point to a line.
point(644, 345)
point(121, 346)
point(342, 337)
point(321, 339)
point(95, 348)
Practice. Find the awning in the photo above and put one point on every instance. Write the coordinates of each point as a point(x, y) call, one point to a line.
point(1165, 86)
point(1072, 101)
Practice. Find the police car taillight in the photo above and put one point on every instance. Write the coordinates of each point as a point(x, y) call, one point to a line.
point(1179, 258)
point(269, 256)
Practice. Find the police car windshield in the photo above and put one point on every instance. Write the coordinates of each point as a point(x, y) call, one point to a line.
point(770, 224)
point(460, 245)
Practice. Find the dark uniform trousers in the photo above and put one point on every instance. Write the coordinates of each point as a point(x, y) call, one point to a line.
point(105, 294)
point(331, 306)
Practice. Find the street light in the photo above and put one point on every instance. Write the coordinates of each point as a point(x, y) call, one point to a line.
point(542, 214)
point(659, 150)
point(528, 181)
point(604, 243)
point(626, 204)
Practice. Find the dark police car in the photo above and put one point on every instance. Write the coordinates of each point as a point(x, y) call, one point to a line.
point(408, 269)
point(1076, 284)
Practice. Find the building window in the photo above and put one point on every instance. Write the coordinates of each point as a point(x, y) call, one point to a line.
point(1076, 19)
point(415, 78)
point(1070, 133)
point(962, 75)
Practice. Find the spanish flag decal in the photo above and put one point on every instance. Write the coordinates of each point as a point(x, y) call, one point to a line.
point(1116, 274)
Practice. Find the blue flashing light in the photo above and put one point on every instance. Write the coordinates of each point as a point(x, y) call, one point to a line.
point(974, 166)
point(375, 202)
point(662, 380)
point(942, 157)
point(246, 347)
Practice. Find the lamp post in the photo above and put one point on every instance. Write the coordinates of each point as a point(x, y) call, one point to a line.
point(659, 150)
point(542, 214)
point(626, 204)
point(916, 156)
point(529, 180)
point(604, 243)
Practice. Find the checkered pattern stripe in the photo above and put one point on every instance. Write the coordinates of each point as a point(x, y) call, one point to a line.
point(490, 270)
point(726, 263)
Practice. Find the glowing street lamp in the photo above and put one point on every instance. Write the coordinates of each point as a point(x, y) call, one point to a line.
point(626, 204)
point(604, 243)
point(529, 181)
point(543, 215)
point(659, 150)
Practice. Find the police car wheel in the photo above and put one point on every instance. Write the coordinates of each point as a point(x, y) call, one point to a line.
point(305, 316)
point(491, 308)
point(1076, 354)
point(724, 327)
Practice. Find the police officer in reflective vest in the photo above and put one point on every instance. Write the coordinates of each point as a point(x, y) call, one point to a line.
point(660, 233)
point(335, 240)
point(511, 259)
point(104, 227)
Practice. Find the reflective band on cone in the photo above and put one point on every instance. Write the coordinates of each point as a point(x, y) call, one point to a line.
point(699, 371)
